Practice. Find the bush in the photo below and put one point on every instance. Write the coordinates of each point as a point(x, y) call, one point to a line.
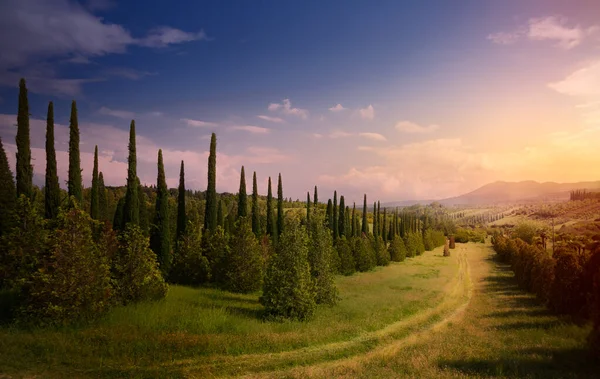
point(215, 247)
point(190, 266)
point(363, 253)
point(289, 291)
point(137, 276)
point(381, 251)
point(470, 235)
point(397, 249)
point(526, 231)
point(244, 267)
point(73, 283)
point(344, 249)
point(320, 258)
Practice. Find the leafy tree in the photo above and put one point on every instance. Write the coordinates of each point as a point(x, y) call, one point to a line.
point(335, 225)
point(242, 196)
point(102, 199)
point(131, 209)
point(160, 240)
point(279, 206)
point(210, 213)
point(51, 187)
point(342, 218)
point(75, 186)
point(137, 276)
point(288, 290)
point(270, 224)
point(190, 265)
point(94, 200)
point(245, 263)
point(181, 212)
point(255, 212)
point(7, 193)
point(24, 167)
point(365, 225)
point(320, 258)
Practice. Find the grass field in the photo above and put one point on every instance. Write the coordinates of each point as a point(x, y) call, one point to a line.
point(427, 317)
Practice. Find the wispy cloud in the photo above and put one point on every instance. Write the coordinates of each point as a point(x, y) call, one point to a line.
point(504, 38)
point(412, 127)
point(339, 134)
point(286, 108)
point(337, 108)
point(165, 36)
point(584, 82)
point(270, 119)
point(116, 113)
point(373, 136)
point(198, 123)
point(367, 113)
point(251, 129)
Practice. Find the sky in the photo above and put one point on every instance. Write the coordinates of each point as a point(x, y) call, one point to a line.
point(401, 100)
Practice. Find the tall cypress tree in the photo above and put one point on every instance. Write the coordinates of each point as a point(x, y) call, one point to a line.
point(24, 167)
point(102, 200)
point(365, 226)
point(335, 225)
point(342, 218)
point(220, 216)
point(255, 211)
point(348, 226)
point(242, 196)
point(210, 212)
point(329, 215)
point(95, 203)
point(353, 233)
point(131, 209)
point(316, 197)
point(181, 215)
point(279, 206)
point(52, 188)
point(378, 218)
point(143, 216)
point(8, 192)
point(308, 206)
point(384, 225)
point(270, 223)
point(75, 186)
point(160, 241)
point(375, 216)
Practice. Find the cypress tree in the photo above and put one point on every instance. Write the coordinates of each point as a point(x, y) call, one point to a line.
point(365, 226)
point(270, 224)
point(52, 188)
point(353, 233)
point(242, 196)
point(383, 226)
point(220, 217)
point(118, 217)
point(316, 197)
point(181, 216)
point(335, 225)
point(378, 218)
point(210, 212)
point(329, 215)
point(8, 192)
point(279, 206)
point(74, 184)
point(24, 167)
point(94, 212)
point(160, 241)
point(375, 228)
point(348, 226)
point(131, 210)
point(342, 218)
point(102, 200)
point(308, 208)
point(255, 212)
point(144, 217)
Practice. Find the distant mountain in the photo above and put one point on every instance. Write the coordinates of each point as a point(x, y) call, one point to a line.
point(511, 192)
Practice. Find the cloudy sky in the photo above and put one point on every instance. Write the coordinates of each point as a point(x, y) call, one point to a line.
point(401, 100)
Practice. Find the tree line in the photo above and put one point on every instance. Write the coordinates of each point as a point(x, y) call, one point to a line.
point(71, 255)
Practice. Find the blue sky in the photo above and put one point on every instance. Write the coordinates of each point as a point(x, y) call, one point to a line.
point(399, 99)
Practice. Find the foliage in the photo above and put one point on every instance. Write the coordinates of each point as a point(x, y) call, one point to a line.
point(210, 213)
point(567, 292)
point(244, 266)
point(215, 247)
point(381, 251)
point(190, 265)
point(526, 231)
point(280, 223)
point(397, 250)
point(364, 254)
point(94, 201)
point(102, 199)
point(51, 186)
point(24, 169)
point(131, 208)
point(7, 193)
point(469, 235)
point(321, 259)
point(181, 212)
point(242, 196)
point(74, 184)
point(288, 290)
point(270, 224)
point(255, 212)
point(160, 240)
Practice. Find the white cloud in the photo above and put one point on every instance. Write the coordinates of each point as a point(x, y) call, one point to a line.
point(251, 129)
point(198, 123)
point(337, 108)
point(584, 82)
point(373, 136)
point(367, 113)
point(504, 38)
point(411, 127)
point(554, 28)
point(339, 134)
point(286, 108)
point(116, 113)
point(165, 36)
point(270, 119)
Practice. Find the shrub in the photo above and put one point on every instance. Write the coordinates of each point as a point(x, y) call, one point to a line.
point(288, 290)
point(344, 249)
point(215, 247)
point(526, 231)
point(381, 251)
point(320, 258)
point(397, 250)
point(567, 296)
point(137, 276)
point(244, 265)
point(363, 253)
point(190, 266)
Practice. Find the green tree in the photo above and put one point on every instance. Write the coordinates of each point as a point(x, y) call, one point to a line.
point(329, 215)
point(397, 250)
point(220, 216)
point(144, 213)
point(342, 218)
point(215, 247)
point(102, 199)
point(24, 167)
point(7, 193)
point(118, 217)
point(181, 213)
point(131, 209)
point(347, 265)
point(270, 224)
point(210, 213)
point(279, 206)
point(308, 206)
point(335, 225)
point(384, 225)
point(242, 196)
point(74, 184)
point(365, 226)
point(160, 241)
point(255, 211)
point(288, 290)
point(51, 187)
point(320, 258)
point(316, 198)
point(245, 263)
point(381, 252)
point(190, 266)
point(94, 200)
point(375, 221)
point(353, 232)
